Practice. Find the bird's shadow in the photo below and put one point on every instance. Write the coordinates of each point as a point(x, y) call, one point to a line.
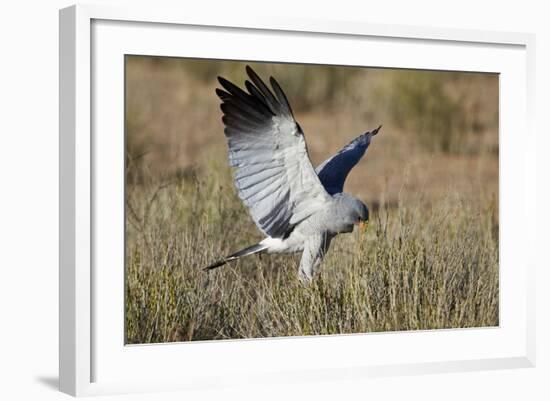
point(52, 382)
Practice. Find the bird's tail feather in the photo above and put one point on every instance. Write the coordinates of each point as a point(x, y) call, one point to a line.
point(243, 252)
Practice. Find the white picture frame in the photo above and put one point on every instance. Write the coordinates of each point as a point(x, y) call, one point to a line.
point(93, 358)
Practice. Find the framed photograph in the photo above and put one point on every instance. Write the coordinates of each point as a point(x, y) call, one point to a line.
point(287, 200)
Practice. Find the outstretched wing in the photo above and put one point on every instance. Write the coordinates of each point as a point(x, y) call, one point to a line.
point(333, 171)
point(274, 176)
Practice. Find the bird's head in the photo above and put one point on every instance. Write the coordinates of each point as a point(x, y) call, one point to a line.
point(352, 212)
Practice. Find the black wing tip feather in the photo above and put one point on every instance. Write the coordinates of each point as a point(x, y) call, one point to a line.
point(374, 132)
point(254, 76)
point(269, 98)
point(258, 91)
point(281, 97)
point(250, 72)
point(241, 102)
point(223, 95)
point(363, 137)
point(371, 133)
point(224, 81)
point(272, 100)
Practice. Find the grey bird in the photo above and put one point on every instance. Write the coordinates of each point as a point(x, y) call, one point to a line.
point(298, 208)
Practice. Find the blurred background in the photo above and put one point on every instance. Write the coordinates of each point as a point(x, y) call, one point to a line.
point(440, 129)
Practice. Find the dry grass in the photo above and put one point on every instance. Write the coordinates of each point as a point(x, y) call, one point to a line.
point(429, 259)
point(417, 268)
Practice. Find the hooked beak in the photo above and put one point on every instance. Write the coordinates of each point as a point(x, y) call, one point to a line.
point(363, 226)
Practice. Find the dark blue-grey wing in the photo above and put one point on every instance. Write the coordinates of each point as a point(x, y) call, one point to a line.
point(273, 174)
point(333, 171)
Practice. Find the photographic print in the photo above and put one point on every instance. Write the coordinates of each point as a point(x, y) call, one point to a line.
point(270, 200)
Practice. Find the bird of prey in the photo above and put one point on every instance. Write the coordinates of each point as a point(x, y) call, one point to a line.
point(298, 208)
